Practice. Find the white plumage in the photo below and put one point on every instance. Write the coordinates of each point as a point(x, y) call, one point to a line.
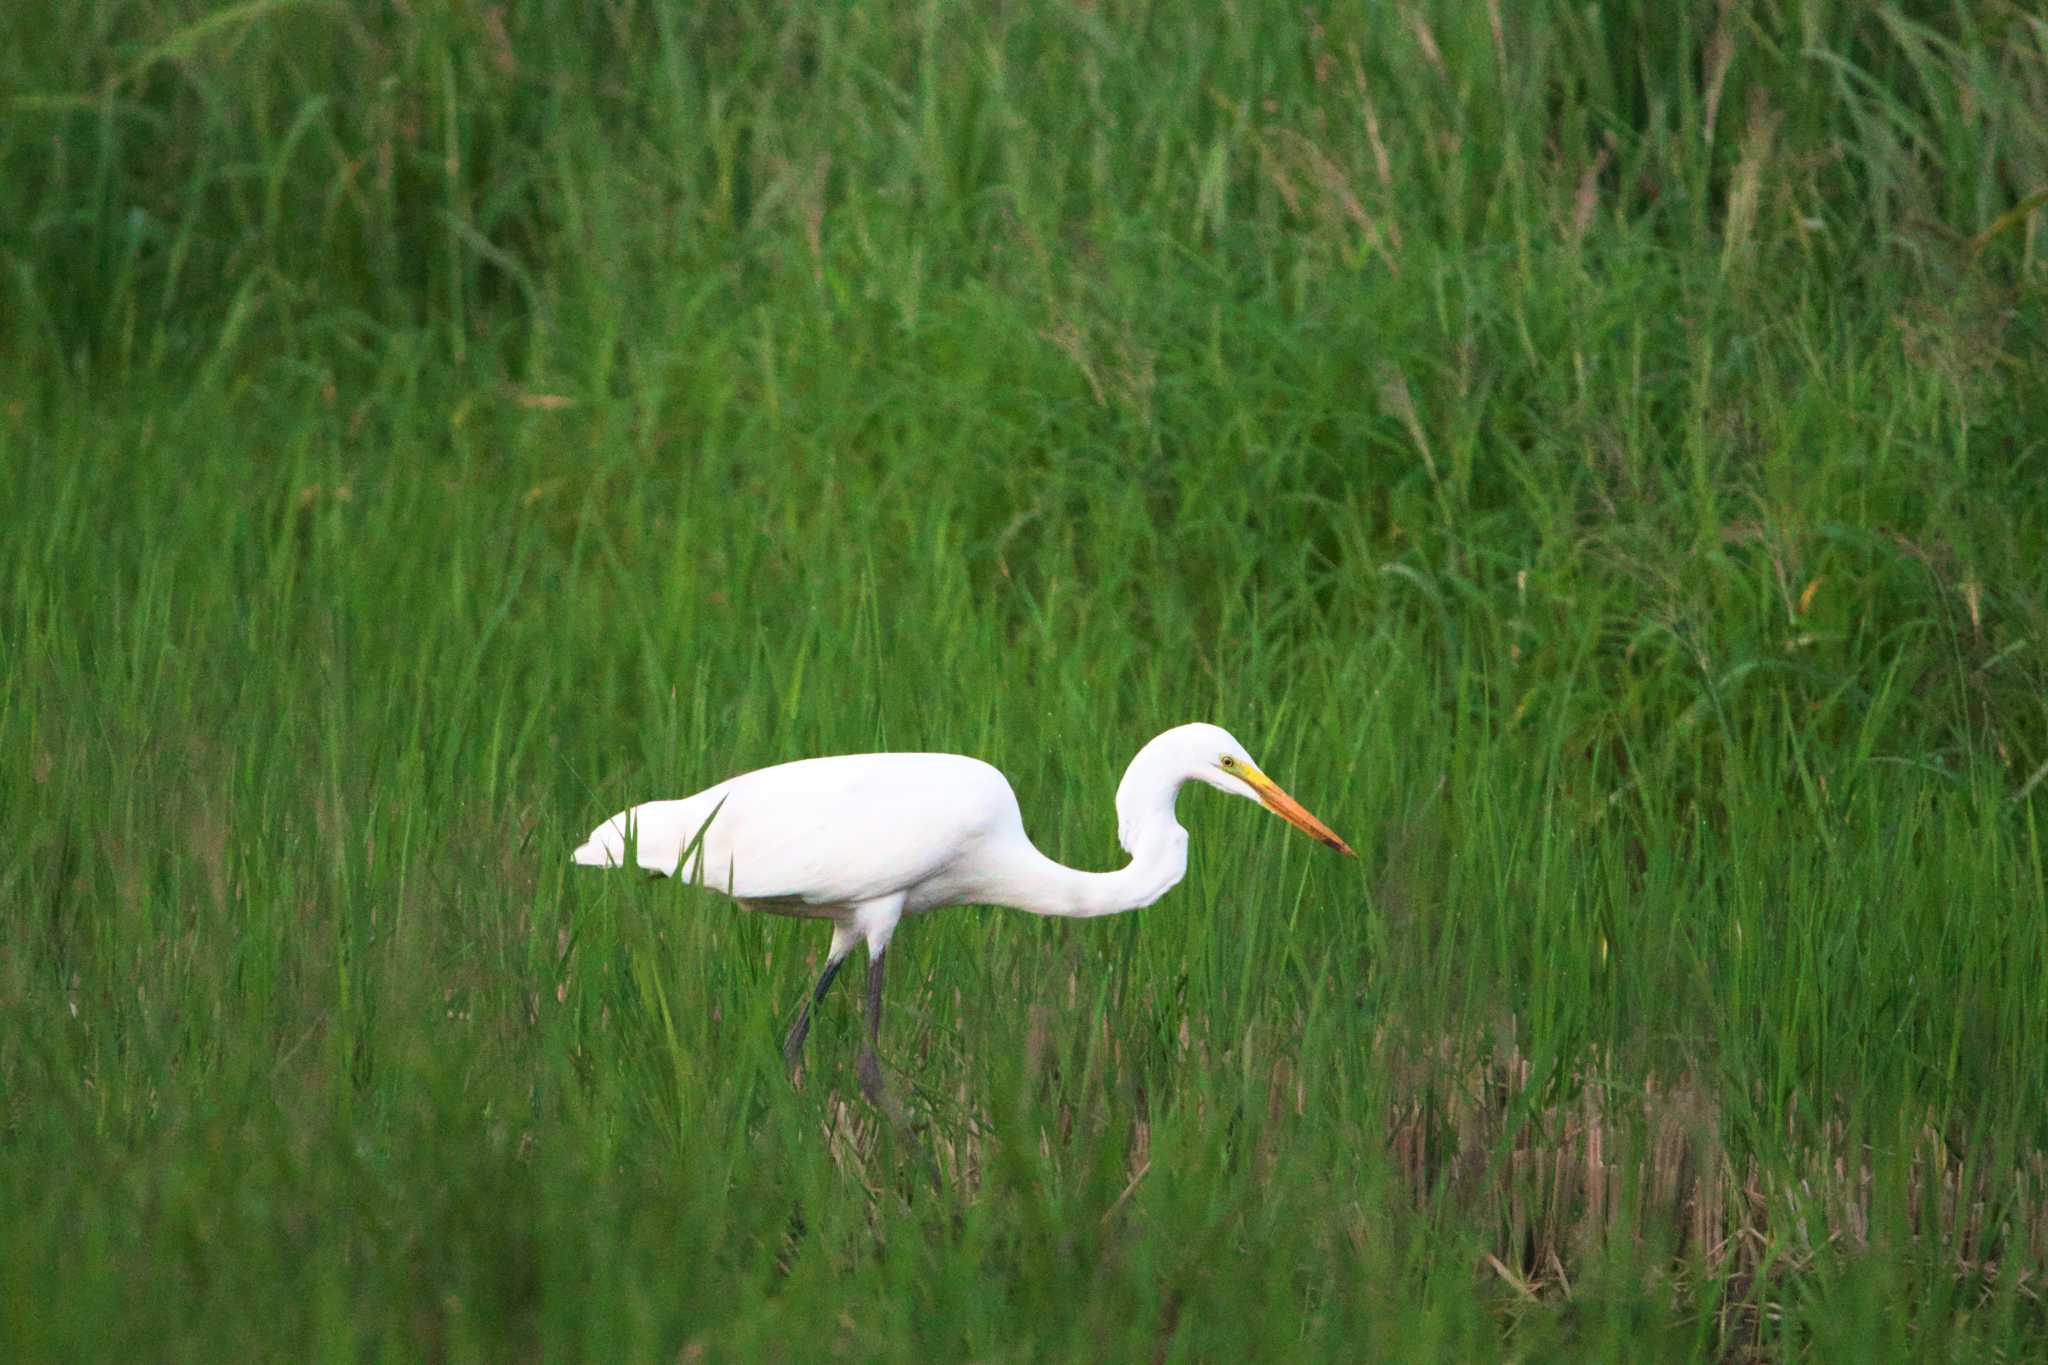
point(864, 839)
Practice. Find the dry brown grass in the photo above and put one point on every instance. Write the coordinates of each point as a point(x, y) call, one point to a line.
point(1568, 1170)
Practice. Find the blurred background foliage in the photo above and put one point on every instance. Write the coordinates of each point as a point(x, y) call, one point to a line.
point(1592, 452)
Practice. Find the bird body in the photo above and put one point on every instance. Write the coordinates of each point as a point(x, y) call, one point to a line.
point(801, 838)
point(864, 839)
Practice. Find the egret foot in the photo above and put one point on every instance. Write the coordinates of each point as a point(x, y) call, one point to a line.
point(871, 1085)
point(909, 1128)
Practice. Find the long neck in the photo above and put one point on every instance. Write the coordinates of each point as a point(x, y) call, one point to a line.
point(1145, 826)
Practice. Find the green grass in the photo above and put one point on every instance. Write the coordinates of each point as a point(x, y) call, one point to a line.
point(1592, 454)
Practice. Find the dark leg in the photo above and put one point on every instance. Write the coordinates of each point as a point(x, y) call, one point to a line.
point(871, 1075)
point(793, 1045)
point(870, 1064)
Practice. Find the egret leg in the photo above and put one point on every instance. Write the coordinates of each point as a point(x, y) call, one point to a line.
point(871, 1075)
point(870, 1066)
point(793, 1045)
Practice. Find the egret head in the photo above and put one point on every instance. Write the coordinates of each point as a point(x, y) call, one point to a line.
point(1212, 754)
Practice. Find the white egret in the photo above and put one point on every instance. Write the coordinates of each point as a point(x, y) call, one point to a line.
point(864, 839)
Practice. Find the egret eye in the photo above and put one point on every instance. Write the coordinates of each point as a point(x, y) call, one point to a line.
point(1229, 762)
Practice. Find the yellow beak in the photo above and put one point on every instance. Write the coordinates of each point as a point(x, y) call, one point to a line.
point(1289, 809)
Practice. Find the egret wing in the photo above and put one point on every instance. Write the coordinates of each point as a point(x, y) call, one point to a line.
point(820, 831)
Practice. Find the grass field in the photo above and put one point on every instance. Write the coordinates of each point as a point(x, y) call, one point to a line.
point(1595, 455)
